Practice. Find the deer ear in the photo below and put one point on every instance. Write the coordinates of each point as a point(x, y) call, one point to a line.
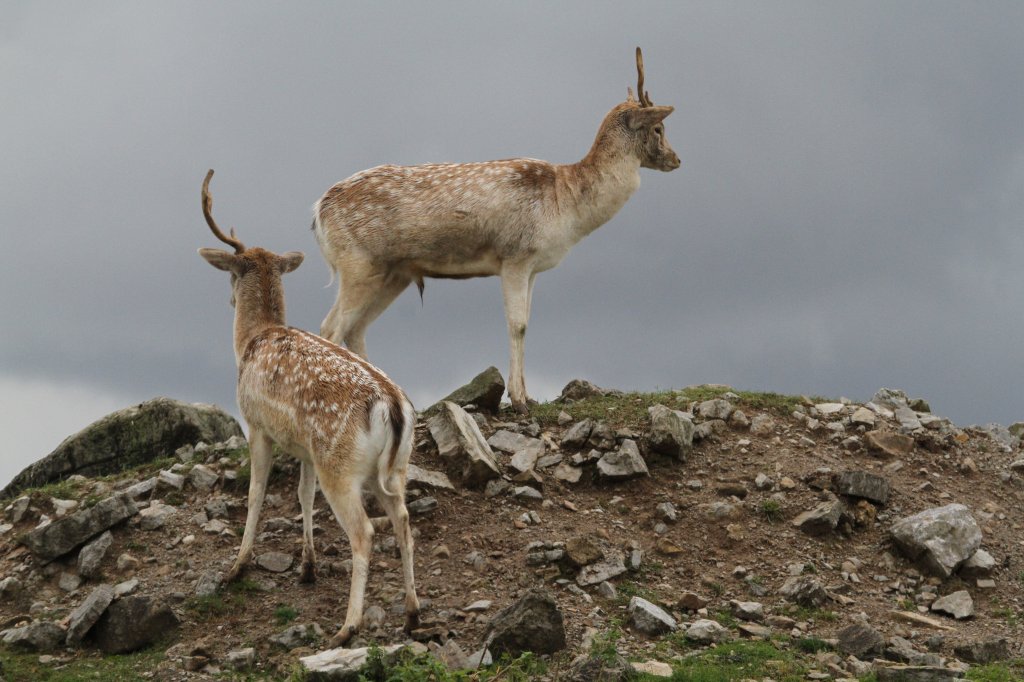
point(646, 116)
point(222, 260)
point(290, 261)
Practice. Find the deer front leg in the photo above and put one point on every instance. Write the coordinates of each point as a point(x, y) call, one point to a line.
point(260, 458)
point(517, 286)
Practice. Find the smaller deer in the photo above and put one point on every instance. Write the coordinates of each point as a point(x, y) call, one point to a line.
point(350, 426)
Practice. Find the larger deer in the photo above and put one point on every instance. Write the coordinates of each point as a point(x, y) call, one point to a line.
point(388, 226)
point(349, 425)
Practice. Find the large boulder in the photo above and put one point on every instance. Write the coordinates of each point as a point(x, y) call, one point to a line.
point(484, 391)
point(534, 623)
point(63, 535)
point(940, 539)
point(133, 622)
point(671, 432)
point(128, 438)
point(460, 443)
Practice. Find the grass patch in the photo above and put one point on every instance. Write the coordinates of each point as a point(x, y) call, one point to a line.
point(225, 601)
point(136, 666)
point(426, 668)
point(1009, 671)
point(740, 660)
point(811, 645)
point(285, 614)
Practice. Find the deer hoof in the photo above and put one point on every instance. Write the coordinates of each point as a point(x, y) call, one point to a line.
point(341, 638)
point(412, 621)
point(308, 572)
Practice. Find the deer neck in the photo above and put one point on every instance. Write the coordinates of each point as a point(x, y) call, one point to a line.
point(253, 315)
point(593, 190)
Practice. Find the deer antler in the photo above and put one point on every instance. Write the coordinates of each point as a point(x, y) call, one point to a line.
point(208, 212)
point(645, 98)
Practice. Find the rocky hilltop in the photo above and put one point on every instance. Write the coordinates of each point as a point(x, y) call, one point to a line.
point(607, 535)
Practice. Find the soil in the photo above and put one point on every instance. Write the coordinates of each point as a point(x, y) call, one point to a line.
point(617, 515)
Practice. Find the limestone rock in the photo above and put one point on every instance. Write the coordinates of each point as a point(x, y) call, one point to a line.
point(805, 591)
point(718, 408)
point(649, 618)
point(580, 389)
point(155, 516)
point(864, 484)
point(941, 538)
point(88, 612)
point(984, 651)
point(36, 636)
point(747, 610)
point(888, 443)
point(533, 623)
point(275, 562)
point(860, 640)
point(957, 604)
point(484, 390)
point(461, 444)
point(202, 477)
point(822, 519)
point(979, 565)
point(606, 569)
point(344, 664)
point(706, 631)
point(512, 442)
point(577, 435)
point(622, 464)
point(132, 623)
point(293, 637)
point(63, 535)
point(671, 432)
point(417, 477)
point(92, 554)
point(128, 438)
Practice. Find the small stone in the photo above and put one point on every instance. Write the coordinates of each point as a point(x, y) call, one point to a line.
point(525, 492)
point(297, 635)
point(202, 477)
point(568, 473)
point(860, 640)
point(805, 591)
point(623, 463)
point(822, 519)
point(667, 512)
point(607, 590)
point(422, 506)
point(155, 516)
point(208, 584)
point(888, 443)
point(652, 668)
point(479, 605)
point(241, 660)
point(169, 479)
point(275, 562)
point(957, 604)
point(92, 554)
point(125, 588)
point(69, 582)
point(692, 601)
point(606, 569)
point(88, 613)
point(648, 618)
point(747, 610)
point(706, 632)
point(126, 562)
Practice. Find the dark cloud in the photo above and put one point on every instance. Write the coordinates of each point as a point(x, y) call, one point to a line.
point(847, 215)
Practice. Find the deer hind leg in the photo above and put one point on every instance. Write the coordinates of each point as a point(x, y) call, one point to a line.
point(344, 494)
point(517, 289)
point(307, 491)
point(394, 506)
point(260, 458)
point(364, 292)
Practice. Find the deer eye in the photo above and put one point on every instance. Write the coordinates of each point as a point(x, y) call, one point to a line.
point(659, 129)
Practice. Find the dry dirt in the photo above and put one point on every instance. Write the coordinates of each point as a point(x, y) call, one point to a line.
point(620, 515)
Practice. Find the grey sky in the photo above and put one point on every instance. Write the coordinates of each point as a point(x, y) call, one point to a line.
point(847, 216)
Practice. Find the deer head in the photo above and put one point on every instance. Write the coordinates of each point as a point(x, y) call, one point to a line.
point(643, 122)
point(255, 272)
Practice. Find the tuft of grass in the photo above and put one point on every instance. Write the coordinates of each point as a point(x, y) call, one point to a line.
point(811, 645)
point(285, 614)
point(771, 510)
